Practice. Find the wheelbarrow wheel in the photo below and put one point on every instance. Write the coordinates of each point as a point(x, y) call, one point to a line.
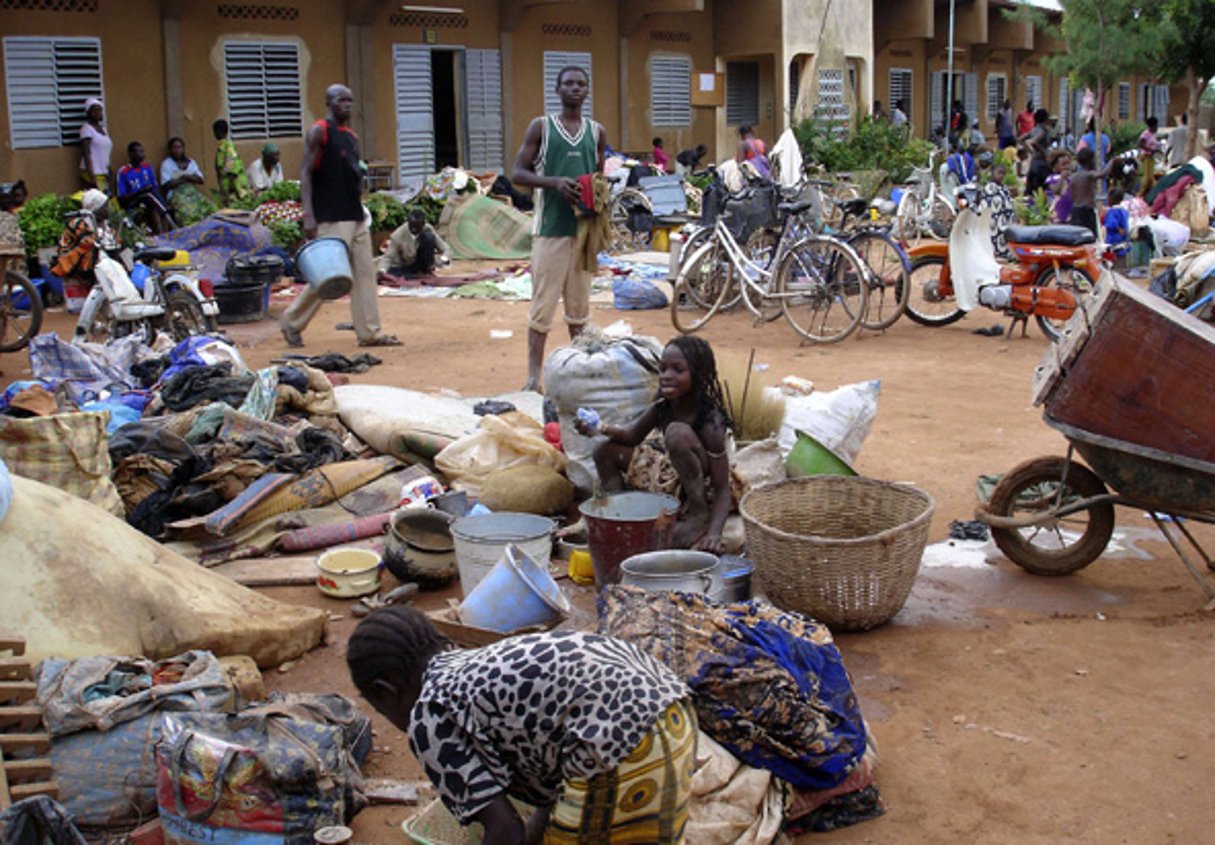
point(1061, 546)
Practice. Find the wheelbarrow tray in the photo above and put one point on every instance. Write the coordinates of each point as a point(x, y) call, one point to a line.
point(1132, 367)
point(1150, 478)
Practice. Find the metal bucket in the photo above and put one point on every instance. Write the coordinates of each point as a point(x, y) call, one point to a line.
point(325, 265)
point(482, 539)
point(625, 524)
point(734, 579)
point(676, 569)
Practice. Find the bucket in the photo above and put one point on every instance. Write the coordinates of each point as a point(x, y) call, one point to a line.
point(623, 525)
point(734, 579)
point(480, 540)
point(325, 265)
point(348, 573)
point(810, 457)
point(677, 569)
point(516, 593)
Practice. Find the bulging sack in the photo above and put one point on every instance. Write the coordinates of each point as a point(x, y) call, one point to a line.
point(500, 444)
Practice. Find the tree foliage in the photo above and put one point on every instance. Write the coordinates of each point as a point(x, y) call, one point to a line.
point(1188, 52)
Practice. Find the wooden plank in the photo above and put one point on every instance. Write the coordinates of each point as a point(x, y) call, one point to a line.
point(15, 669)
point(38, 743)
point(16, 645)
point(24, 716)
point(17, 691)
point(270, 571)
point(19, 791)
point(6, 798)
point(23, 771)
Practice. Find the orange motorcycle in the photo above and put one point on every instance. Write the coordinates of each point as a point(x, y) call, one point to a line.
point(1052, 267)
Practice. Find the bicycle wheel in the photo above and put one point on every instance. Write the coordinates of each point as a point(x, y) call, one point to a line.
point(823, 289)
point(940, 218)
point(926, 303)
point(631, 209)
point(20, 312)
point(700, 288)
point(907, 218)
point(698, 238)
point(1070, 278)
point(761, 248)
point(889, 277)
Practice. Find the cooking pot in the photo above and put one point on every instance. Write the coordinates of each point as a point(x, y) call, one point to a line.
point(674, 569)
point(348, 573)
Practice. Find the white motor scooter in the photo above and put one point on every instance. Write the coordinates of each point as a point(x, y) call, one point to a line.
point(135, 296)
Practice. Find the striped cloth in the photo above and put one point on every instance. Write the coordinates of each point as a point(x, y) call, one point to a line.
point(67, 451)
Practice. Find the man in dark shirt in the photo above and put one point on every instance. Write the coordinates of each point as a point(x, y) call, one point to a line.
point(331, 186)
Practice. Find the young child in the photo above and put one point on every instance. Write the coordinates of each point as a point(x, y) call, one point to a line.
point(1084, 189)
point(691, 417)
point(996, 197)
point(1058, 185)
point(661, 160)
point(1117, 225)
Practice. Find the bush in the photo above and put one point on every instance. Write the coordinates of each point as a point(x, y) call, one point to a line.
point(1034, 211)
point(41, 221)
point(873, 145)
point(1125, 136)
point(288, 235)
point(387, 212)
point(281, 192)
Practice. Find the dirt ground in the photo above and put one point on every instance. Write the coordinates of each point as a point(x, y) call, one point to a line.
point(1007, 707)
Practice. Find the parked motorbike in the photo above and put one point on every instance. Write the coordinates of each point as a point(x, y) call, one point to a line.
point(1052, 267)
point(136, 296)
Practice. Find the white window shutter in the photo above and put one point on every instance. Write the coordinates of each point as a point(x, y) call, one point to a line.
point(831, 102)
point(415, 121)
point(554, 61)
point(900, 88)
point(970, 96)
point(262, 83)
point(47, 81)
point(670, 90)
point(1065, 100)
point(483, 83)
point(939, 118)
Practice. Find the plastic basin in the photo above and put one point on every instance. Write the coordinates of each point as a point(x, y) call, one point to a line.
point(325, 265)
point(516, 593)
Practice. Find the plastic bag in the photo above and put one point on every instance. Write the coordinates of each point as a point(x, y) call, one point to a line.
point(840, 419)
point(502, 442)
point(629, 294)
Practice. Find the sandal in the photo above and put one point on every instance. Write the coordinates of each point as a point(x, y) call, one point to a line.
point(381, 340)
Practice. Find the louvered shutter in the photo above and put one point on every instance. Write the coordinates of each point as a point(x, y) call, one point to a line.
point(939, 117)
point(742, 93)
point(900, 88)
point(970, 96)
point(483, 82)
point(262, 82)
point(1065, 104)
point(995, 94)
point(415, 119)
point(554, 61)
point(47, 81)
point(670, 90)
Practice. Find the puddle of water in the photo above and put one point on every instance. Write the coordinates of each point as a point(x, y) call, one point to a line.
point(963, 554)
point(978, 554)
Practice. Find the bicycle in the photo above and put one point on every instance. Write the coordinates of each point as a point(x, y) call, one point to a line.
point(20, 304)
point(890, 268)
point(816, 280)
point(922, 208)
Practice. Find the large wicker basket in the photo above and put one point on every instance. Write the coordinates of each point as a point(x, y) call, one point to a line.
point(842, 550)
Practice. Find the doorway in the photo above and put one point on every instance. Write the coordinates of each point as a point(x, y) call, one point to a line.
point(446, 100)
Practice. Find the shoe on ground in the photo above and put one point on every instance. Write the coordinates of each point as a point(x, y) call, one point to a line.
point(381, 340)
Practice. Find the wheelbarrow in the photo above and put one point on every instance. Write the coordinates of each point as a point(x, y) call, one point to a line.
point(1055, 516)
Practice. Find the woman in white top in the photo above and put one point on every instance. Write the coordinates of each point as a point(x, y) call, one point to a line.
point(95, 147)
point(181, 180)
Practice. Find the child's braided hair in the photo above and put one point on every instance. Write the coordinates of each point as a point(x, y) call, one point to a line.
point(702, 365)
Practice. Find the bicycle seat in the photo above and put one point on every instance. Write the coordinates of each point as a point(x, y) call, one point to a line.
point(855, 207)
point(155, 253)
point(794, 207)
point(1056, 235)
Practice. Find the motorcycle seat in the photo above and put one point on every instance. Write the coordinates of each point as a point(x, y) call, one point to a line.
point(794, 207)
point(155, 253)
point(1057, 235)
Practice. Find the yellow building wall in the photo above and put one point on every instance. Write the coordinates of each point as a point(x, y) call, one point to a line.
point(132, 65)
point(653, 39)
point(526, 45)
point(319, 30)
point(908, 55)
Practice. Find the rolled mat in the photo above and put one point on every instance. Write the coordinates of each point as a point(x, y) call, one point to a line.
point(324, 536)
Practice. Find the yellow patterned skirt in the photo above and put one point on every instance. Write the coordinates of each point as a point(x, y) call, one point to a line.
point(643, 800)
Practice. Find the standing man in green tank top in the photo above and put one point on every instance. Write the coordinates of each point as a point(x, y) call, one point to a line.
point(557, 149)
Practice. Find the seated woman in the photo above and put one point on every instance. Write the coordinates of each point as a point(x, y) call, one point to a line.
point(180, 179)
point(598, 737)
point(689, 456)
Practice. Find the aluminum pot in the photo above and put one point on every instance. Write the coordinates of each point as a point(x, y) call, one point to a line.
point(675, 569)
point(734, 579)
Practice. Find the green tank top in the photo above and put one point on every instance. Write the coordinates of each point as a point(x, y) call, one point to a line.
point(562, 155)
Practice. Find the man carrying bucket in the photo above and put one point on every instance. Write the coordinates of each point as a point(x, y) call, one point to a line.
point(331, 187)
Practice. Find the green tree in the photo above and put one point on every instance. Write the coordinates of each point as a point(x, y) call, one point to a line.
point(1188, 53)
point(1107, 40)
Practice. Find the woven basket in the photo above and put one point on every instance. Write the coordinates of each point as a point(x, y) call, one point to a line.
point(855, 571)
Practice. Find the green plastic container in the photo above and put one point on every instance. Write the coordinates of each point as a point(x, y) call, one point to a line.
point(810, 457)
